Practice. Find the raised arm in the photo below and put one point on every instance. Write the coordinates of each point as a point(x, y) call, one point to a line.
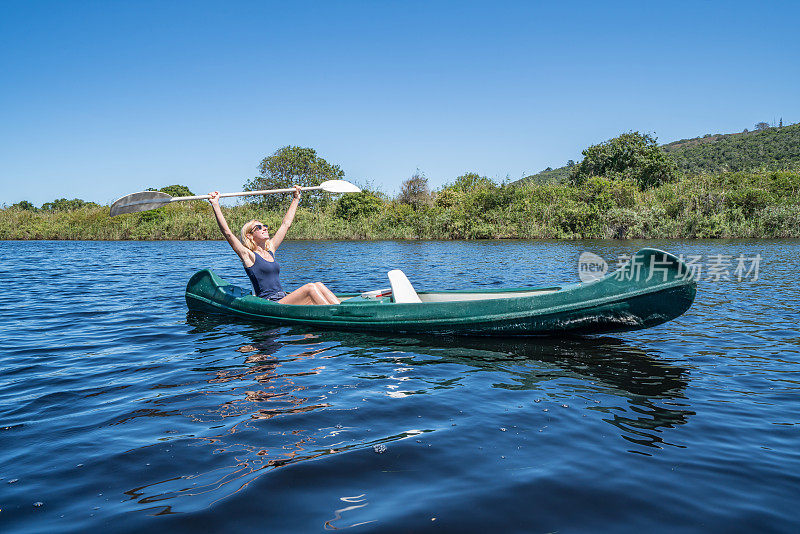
point(277, 239)
point(245, 254)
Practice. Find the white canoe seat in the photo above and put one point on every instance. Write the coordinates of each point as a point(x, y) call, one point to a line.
point(401, 287)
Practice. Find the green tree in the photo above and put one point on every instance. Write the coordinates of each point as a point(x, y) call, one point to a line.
point(415, 191)
point(175, 190)
point(293, 165)
point(760, 126)
point(631, 155)
point(23, 205)
point(62, 204)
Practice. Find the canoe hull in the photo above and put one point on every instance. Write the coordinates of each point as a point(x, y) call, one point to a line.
point(616, 303)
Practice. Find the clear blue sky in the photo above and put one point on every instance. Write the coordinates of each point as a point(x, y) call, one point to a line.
point(103, 98)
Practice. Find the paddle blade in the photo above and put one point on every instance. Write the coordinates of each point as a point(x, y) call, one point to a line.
point(339, 186)
point(146, 200)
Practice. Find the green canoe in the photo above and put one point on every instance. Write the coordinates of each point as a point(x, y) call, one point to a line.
point(654, 287)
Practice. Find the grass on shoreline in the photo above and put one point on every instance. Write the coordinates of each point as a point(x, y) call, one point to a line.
point(761, 204)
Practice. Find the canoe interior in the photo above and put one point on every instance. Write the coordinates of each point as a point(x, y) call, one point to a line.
point(462, 296)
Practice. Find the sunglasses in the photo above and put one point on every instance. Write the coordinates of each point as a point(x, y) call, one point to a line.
point(258, 227)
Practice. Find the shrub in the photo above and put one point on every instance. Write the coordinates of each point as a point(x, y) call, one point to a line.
point(749, 199)
point(469, 182)
point(355, 205)
point(605, 193)
point(415, 191)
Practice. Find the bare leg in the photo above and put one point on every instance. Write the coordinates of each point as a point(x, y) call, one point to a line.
point(307, 294)
point(327, 293)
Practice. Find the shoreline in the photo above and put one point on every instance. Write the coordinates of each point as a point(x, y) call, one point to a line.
point(741, 205)
point(420, 240)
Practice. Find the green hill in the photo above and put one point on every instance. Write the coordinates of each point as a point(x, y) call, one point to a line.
point(548, 176)
point(772, 148)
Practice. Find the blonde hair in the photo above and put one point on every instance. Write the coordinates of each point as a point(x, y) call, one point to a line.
point(247, 241)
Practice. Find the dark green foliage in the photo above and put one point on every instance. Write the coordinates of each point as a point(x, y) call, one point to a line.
point(632, 156)
point(288, 166)
point(175, 190)
point(62, 204)
point(761, 126)
point(356, 205)
point(23, 205)
point(770, 148)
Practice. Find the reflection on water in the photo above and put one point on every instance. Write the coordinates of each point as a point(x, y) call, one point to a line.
point(653, 388)
point(270, 401)
point(278, 388)
point(355, 502)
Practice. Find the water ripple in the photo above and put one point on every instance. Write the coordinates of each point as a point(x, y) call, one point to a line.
point(119, 407)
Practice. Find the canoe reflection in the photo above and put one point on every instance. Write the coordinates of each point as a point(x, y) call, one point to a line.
point(619, 367)
point(273, 400)
point(613, 365)
point(616, 363)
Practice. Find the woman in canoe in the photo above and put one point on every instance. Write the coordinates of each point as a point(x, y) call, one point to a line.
point(257, 252)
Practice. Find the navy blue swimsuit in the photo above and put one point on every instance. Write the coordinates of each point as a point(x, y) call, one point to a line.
point(264, 277)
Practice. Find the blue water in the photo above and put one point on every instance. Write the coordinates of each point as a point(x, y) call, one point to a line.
point(119, 410)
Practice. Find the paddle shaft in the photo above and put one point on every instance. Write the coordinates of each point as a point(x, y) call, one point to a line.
point(246, 193)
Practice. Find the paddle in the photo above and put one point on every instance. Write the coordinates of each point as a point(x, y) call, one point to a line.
point(150, 200)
